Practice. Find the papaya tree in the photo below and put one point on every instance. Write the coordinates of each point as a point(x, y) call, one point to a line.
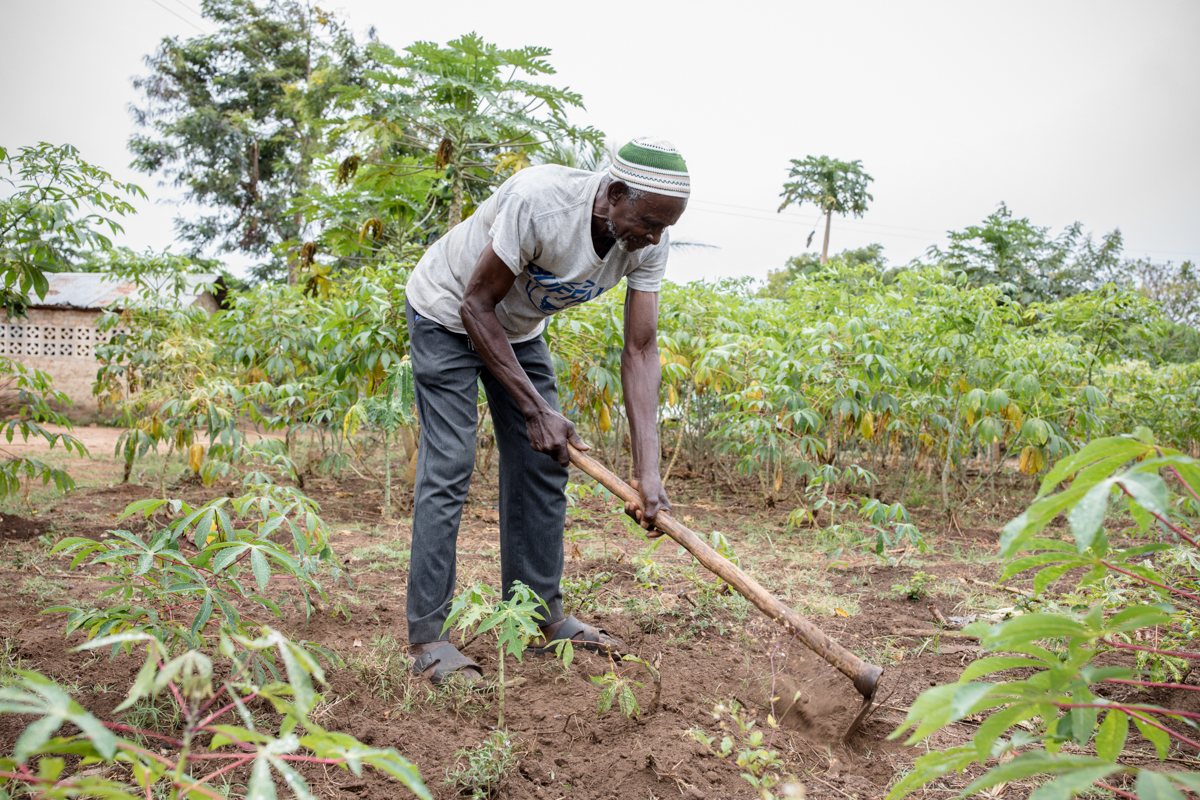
point(830, 185)
point(469, 110)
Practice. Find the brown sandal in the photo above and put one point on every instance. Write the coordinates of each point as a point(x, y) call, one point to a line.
point(446, 661)
point(597, 640)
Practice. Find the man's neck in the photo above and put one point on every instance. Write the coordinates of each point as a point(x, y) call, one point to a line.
point(602, 240)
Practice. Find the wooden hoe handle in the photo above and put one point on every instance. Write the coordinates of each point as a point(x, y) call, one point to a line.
point(864, 675)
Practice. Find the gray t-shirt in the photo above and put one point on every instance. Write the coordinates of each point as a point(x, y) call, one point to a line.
point(540, 225)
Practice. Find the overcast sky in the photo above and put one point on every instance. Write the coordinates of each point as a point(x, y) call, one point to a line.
point(1067, 111)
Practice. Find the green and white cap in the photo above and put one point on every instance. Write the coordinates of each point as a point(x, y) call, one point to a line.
point(653, 165)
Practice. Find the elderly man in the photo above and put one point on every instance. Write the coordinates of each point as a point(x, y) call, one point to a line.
point(549, 238)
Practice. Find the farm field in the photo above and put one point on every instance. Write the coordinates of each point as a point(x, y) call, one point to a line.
point(714, 652)
point(970, 457)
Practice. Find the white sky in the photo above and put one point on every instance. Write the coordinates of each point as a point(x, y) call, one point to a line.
point(1065, 110)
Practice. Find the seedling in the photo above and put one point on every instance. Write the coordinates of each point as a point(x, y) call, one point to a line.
point(916, 588)
point(485, 767)
point(619, 686)
point(761, 767)
point(514, 622)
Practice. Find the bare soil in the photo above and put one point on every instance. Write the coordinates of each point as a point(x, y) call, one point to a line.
point(712, 650)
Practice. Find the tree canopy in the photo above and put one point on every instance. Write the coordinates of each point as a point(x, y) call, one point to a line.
point(236, 120)
point(829, 184)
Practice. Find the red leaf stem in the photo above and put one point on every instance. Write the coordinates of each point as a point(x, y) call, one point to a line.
point(1172, 653)
point(242, 761)
point(217, 714)
point(1129, 709)
point(1117, 791)
point(1134, 575)
point(1154, 685)
point(116, 726)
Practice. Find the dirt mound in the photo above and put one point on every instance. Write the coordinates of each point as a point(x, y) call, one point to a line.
point(19, 529)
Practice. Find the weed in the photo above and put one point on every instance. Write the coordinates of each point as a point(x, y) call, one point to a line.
point(646, 616)
point(10, 662)
point(382, 667)
point(485, 766)
point(583, 594)
point(648, 572)
point(41, 588)
point(916, 588)
point(157, 715)
point(390, 554)
point(761, 767)
point(619, 686)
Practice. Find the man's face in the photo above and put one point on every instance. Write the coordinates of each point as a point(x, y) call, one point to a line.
point(641, 223)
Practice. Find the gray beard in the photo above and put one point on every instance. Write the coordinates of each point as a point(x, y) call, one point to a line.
point(612, 231)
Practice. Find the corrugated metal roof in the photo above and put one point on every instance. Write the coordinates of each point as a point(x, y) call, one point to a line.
point(97, 290)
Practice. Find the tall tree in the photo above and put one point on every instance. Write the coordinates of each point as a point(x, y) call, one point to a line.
point(829, 184)
point(470, 108)
point(235, 119)
point(55, 208)
point(1028, 262)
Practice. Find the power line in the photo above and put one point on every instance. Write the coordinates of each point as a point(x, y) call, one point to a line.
point(819, 216)
point(860, 226)
point(247, 45)
point(180, 16)
point(189, 8)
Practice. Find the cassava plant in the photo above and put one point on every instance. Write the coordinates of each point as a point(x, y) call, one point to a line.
point(1067, 721)
point(220, 734)
point(618, 685)
point(514, 623)
point(389, 409)
point(191, 580)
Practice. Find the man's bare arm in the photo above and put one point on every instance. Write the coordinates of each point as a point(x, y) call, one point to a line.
point(548, 430)
point(641, 374)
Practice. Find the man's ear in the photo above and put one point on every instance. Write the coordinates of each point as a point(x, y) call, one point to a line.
point(617, 190)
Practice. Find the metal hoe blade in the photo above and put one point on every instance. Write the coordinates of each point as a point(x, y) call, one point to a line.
point(863, 713)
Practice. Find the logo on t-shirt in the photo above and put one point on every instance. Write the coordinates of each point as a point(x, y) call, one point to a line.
point(549, 293)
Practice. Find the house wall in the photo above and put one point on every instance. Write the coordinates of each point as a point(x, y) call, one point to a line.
point(60, 343)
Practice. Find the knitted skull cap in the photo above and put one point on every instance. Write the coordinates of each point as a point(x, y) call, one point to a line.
point(653, 165)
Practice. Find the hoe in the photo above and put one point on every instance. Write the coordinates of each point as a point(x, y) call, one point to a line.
point(865, 676)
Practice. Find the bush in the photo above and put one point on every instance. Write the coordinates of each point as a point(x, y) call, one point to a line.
point(1058, 722)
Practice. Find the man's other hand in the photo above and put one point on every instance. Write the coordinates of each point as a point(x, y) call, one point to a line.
point(654, 500)
point(549, 433)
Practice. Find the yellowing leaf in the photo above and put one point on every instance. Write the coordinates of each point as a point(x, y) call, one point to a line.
point(605, 419)
point(841, 613)
point(196, 456)
point(866, 425)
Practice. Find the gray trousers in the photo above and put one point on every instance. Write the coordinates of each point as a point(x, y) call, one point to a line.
point(533, 505)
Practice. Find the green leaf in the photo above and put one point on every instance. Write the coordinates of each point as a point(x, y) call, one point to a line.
point(262, 785)
point(1156, 736)
point(1147, 489)
point(1072, 783)
point(143, 684)
point(1191, 780)
point(1110, 738)
point(1119, 447)
point(986, 666)
point(1034, 762)
point(1153, 785)
point(262, 570)
point(1088, 515)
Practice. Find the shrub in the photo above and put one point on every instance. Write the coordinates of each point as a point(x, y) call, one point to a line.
point(1059, 720)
